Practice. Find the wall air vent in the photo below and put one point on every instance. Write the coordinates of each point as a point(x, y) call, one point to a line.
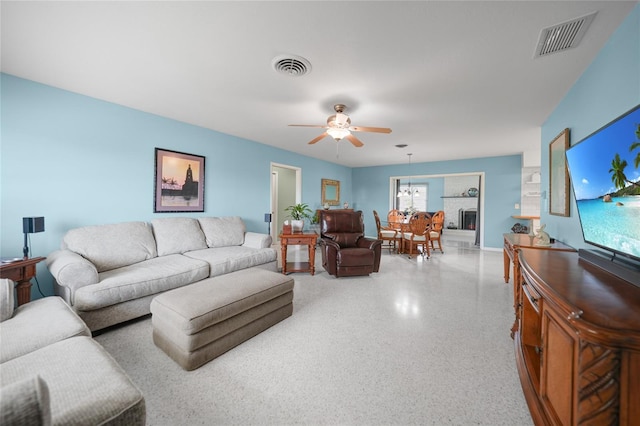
point(291, 65)
point(563, 36)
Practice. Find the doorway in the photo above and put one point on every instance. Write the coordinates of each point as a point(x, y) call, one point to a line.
point(451, 195)
point(286, 190)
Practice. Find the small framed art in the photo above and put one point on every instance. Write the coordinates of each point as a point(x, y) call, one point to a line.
point(179, 182)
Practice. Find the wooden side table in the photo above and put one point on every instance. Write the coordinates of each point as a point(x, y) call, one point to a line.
point(21, 272)
point(301, 239)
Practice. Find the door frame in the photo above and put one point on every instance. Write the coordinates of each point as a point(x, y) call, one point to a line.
point(480, 175)
point(274, 195)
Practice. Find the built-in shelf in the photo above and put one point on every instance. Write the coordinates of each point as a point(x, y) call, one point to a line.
point(530, 195)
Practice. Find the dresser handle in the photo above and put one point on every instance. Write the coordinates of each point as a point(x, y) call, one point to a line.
point(574, 315)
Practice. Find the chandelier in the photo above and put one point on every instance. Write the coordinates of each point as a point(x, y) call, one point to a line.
point(408, 191)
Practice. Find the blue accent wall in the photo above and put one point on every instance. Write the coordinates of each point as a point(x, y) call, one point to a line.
point(502, 190)
point(80, 161)
point(608, 88)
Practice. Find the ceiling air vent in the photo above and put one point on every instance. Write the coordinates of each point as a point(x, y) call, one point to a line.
point(563, 36)
point(291, 65)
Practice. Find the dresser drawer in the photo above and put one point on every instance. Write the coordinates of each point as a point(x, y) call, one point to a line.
point(297, 241)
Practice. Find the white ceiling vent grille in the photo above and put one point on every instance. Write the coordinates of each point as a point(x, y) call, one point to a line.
point(291, 65)
point(563, 36)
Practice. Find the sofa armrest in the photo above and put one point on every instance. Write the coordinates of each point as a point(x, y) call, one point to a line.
point(71, 270)
point(257, 240)
point(7, 298)
point(25, 403)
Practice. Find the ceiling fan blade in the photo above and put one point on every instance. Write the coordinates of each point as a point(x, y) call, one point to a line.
point(319, 138)
point(355, 141)
point(370, 129)
point(309, 125)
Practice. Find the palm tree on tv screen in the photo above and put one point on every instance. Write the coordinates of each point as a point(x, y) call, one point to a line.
point(618, 177)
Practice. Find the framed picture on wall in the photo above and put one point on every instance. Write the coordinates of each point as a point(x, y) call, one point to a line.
point(559, 175)
point(178, 182)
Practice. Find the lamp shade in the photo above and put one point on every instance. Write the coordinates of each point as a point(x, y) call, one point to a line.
point(32, 225)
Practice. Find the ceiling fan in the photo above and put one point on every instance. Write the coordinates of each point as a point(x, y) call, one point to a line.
point(339, 127)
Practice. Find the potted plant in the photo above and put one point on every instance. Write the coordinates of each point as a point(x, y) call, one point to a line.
point(298, 212)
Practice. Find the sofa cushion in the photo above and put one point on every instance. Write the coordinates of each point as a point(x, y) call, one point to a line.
point(25, 403)
point(223, 260)
point(141, 279)
point(223, 231)
point(27, 330)
point(112, 246)
point(86, 385)
point(177, 235)
point(7, 299)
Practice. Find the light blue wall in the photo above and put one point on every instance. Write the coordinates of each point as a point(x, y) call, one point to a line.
point(435, 201)
point(502, 189)
point(609, 87)
point(79, 161)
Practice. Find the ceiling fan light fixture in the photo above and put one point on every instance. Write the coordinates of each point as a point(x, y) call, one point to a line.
point(339, 121)
point(338, 133)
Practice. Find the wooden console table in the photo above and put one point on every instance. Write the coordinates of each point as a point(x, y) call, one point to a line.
point(21, 272)
point(308, 239)
point(512, 243)
point(578, 342)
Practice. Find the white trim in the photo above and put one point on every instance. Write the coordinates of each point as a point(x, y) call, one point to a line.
point(274, 194)
point(392, 194)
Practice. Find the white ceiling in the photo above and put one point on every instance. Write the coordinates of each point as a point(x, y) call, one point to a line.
point(453, 79)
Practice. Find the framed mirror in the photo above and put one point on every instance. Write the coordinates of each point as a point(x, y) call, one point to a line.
point(559, 175)
point(330, 192)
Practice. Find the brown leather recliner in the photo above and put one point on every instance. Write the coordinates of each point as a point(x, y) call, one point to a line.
point(345, 249)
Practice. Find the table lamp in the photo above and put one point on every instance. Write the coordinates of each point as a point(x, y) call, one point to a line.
point(31, 225)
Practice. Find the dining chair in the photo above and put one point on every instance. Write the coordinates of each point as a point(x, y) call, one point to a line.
point(417, 234)
point(396, 219)
point(386, 233)
point(437, 222)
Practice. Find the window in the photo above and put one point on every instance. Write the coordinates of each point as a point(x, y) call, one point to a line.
point(414, 202)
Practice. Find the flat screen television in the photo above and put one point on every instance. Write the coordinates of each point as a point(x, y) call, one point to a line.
point(608, 203)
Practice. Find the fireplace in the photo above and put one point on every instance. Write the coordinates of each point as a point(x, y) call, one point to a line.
point(467, 219)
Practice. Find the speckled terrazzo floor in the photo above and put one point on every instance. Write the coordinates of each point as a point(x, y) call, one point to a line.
point(421, 342)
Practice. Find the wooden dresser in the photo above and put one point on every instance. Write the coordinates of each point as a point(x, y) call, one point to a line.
point(512, 243)
point(578, 341)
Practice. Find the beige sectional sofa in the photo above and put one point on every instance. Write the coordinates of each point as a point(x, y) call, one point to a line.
point(110, 273)
point(53, 373)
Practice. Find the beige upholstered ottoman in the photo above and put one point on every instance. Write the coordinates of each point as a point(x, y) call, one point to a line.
point(197, 323)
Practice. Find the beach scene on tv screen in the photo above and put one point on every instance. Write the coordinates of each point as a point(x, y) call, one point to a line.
point(606, 183)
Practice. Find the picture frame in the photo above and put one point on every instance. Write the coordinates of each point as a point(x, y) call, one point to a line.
point(559, 175)
point(330, 192)
point(178, 182)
